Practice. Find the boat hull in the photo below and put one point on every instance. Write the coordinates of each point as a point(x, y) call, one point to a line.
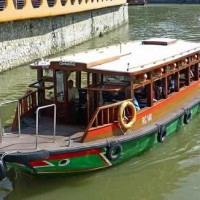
point(94, 157)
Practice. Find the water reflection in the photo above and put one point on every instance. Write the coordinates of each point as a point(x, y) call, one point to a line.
point(5, 188)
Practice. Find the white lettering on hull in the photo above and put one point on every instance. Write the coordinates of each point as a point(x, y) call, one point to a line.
point(147, 118)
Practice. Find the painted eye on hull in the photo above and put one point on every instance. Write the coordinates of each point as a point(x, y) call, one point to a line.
point(64, 162)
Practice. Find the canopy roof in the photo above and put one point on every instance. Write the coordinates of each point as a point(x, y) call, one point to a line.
point(131, 57)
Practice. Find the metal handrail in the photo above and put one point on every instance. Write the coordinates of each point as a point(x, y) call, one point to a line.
point(37, 121)
point(18, 116)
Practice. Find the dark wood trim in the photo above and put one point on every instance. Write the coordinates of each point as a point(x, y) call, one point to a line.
point(88, 105)
point(149, 91)
point(88, 79)
point(132, 91)
point(165, 86)
point(177, 81)
point(196, 72)
point(94, 83)
point(78, 79)
point(187, 76)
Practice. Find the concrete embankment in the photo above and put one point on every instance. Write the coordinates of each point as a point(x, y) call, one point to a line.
point(24, 41)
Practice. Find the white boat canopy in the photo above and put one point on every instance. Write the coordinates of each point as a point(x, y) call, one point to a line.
point(131, 57)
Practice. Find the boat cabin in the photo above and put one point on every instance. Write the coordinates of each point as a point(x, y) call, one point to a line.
point(89, 88)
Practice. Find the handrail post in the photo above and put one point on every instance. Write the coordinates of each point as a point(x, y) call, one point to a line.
point(19, 120)
point(54, 125)
point(1, 130)
point(37, 127)
point(37, 122)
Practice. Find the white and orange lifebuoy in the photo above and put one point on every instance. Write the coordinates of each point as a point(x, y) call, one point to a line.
point(121, 117)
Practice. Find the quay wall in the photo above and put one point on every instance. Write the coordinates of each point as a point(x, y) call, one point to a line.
point(27, 40)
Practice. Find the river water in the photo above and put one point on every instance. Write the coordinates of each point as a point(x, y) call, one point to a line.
point(170, 171)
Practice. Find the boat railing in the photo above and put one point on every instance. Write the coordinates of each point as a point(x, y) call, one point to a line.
point(28, 102)
point(18, 117)
point(106, 114)
point(26, 105)
point(37, 121)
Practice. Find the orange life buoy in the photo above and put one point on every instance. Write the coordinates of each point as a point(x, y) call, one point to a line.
point(121, 117)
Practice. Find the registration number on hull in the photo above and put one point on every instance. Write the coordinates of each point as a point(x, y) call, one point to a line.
point(147, 118)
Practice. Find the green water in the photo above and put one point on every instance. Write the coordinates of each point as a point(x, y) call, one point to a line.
point(170, 171)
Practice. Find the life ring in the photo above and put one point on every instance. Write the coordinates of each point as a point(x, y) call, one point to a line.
point(187, 116)
point(162, 133)
point(114, 151)
point(123, 123)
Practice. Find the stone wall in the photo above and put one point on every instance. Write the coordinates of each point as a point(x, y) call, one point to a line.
point(24, 41)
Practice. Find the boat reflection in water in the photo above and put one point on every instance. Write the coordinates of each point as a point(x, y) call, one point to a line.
point(6, 188)
point(136, 2)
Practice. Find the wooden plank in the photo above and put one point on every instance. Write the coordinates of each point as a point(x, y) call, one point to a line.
point(187, 76)
point(196, 72)
point(177, 82)
point(107, 87)
point(102, 61)
point(108, 116)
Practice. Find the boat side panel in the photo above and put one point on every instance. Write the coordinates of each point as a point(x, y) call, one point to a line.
point(150, 115)
point(89, 160)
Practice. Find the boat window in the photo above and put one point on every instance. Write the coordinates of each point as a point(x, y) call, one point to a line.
point(49, 93)
point(182, 78)
point(83, 79)
point(192, 73)
point(112, 97)
point(72, 76)
point(158, 90)
point(140, 96)
point(47, 73)
point(48, 84)
point(59, 86)
point(116, 79)
point(171, 83)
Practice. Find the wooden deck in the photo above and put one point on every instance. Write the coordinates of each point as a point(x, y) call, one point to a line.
point(27, 140)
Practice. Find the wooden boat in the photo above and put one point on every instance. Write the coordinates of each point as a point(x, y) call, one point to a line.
point(136, 2)
point(130, 97)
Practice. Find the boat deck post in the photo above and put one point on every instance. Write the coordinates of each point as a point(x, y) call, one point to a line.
point(37, 121)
